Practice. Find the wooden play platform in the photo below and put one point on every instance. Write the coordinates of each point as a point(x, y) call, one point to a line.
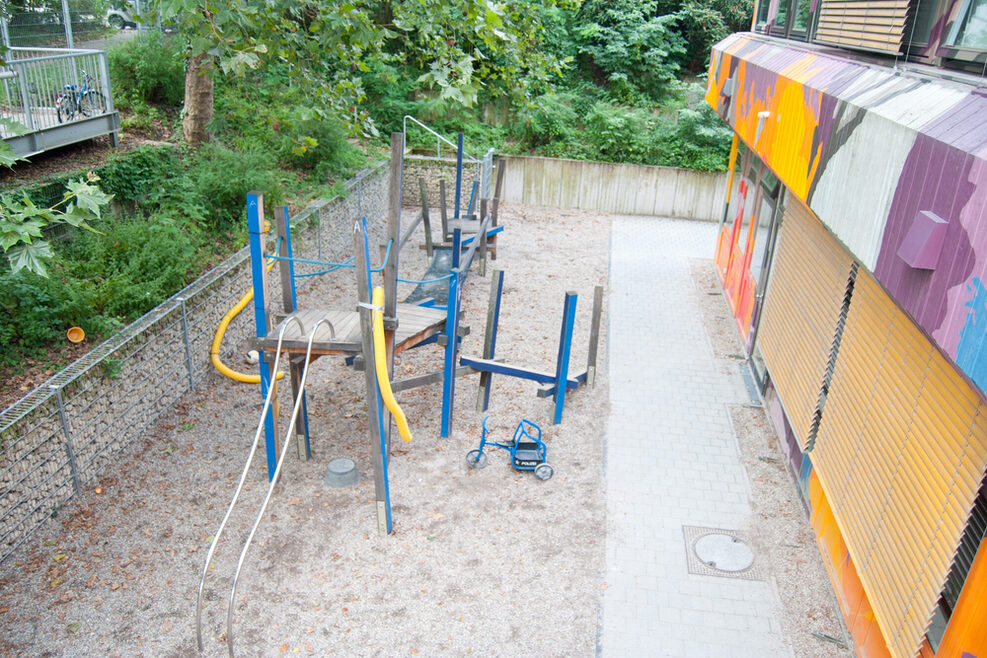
point(415, 324)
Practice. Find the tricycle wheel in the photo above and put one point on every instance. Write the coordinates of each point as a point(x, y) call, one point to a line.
point(476, 459)
point(543, 471)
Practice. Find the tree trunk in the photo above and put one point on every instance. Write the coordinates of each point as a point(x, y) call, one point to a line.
point(198, 99)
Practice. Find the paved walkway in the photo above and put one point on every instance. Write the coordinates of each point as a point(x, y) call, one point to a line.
point(672, 460)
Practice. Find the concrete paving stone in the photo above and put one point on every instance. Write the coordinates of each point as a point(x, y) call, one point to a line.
point(672, 457)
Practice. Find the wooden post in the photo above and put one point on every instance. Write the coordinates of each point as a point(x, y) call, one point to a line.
point(490, 337)
point(257, 230)
point(483, 238)
point(425, 218)
point(495, 205)
point(378, 452)
point(391, 266)
point(443, 211)
point(286, 269)
point(594, 336)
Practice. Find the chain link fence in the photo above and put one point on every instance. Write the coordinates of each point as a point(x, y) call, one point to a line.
point(45, 23)
point(66, 432)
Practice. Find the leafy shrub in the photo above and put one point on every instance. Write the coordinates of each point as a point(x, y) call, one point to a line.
point(98, 281)
point(35, 310)
point(133, 175)
point(223, 177)
point(134, 264)
point(620, 134)
point(310, 141)
point(262, 114)
point(150, 69)
point(549, 118)
point(700, 140)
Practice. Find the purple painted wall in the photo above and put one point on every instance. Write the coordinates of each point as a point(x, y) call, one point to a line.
point(883, 146)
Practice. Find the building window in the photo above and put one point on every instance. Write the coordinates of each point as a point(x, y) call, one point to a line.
point(971, 31)
point(792, 20)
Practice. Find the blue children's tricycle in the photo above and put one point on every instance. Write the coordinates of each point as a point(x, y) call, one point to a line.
point(528, 451)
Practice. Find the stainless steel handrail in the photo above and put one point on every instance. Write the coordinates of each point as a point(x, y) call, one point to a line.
point(243, 477)
point(274, 480)
point(438, 138)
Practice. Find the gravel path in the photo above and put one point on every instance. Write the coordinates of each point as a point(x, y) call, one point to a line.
point(490, 561)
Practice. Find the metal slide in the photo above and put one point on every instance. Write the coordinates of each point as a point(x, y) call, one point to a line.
point(243, 477)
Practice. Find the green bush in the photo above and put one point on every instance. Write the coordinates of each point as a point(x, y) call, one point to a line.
point(134, 175)
point(549, 118)
point(98, 281)
point(134, 265)
point(150, 69)
point(223, 177)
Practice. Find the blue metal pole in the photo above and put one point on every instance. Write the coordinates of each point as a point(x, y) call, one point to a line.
point(459, 173)
point(457, 247)
point(565, 346)
point(294, 307)
point(469, 208)
point(449, 365)
point(258, 233)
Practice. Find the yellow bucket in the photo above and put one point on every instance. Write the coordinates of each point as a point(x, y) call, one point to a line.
point(76, 335)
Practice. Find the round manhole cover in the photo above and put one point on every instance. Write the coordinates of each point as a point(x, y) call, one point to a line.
point(724, 552)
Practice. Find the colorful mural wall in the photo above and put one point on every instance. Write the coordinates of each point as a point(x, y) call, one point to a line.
point(895, 165)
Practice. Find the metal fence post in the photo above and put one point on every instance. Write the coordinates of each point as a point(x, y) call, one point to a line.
point(25, 97)
point(188, 345)
point(318, 230)
point(359, 195)
point(69, 450)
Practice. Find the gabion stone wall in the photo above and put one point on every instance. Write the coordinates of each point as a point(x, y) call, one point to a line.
point(432, 169)
point(64, 433)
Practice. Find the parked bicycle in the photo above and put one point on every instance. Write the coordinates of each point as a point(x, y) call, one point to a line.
point(80, 101)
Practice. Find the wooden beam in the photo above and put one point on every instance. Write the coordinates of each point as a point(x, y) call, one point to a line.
point(500, 368)
point(377, 440)
point(286, 272)
point(423, 191)
point(594, 336)
point(490, 337)
point(424, 380)
point(443, 212)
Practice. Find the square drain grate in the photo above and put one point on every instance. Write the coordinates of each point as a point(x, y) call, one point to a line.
point(718, 552)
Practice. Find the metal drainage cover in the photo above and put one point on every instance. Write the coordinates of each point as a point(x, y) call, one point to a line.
point(717, 552)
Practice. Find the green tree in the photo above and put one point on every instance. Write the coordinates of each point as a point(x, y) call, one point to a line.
point(627, 44)
point(329, 45)
point(703, 23)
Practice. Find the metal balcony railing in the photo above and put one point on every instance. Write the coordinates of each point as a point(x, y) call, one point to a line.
point(36, 81)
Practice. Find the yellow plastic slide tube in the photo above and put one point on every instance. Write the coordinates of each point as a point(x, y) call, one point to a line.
point(380, 363)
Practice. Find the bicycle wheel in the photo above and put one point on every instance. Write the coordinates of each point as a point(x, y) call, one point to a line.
point(66, 108)
point(92, 103)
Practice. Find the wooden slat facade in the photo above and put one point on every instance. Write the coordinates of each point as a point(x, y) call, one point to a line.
point(864, 24)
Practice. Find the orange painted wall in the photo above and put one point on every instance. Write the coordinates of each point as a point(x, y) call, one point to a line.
point(966, 634)
point(868, 640)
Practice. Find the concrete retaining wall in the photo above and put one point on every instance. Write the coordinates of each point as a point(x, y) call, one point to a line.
point(616, 188)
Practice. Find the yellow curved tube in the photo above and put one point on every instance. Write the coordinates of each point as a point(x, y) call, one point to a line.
point(380, 363)
point(217, 341)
